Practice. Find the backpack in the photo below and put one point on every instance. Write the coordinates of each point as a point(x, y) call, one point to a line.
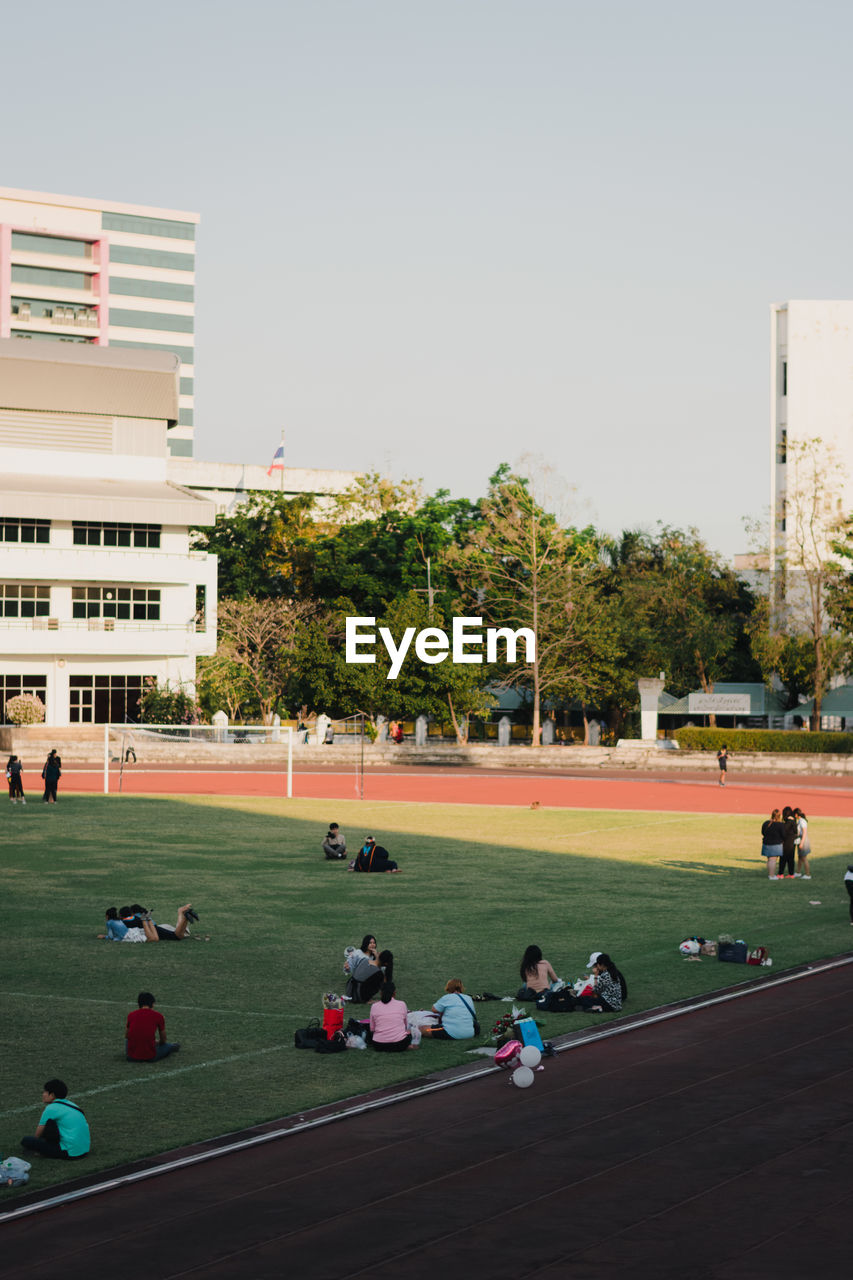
point(556, 1001)
point(14, 1172)
point(309, 1037)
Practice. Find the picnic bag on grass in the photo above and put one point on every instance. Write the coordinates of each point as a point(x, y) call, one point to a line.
point(757, 955)
point(337, 1044)
point(308, 1037)
point(732, 952)
point(556, 1001)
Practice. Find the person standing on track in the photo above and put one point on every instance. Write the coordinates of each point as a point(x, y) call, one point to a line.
point(723, 763)
point(14, 769)
point(51, 773)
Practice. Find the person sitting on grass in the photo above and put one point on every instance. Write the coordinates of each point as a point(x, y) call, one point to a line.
point(144, 1029)
point(63, 1131)
point(334, 845)
point(607, 988)
point(389, 1029)
point(140, 917)
point(456, 1014)
point(369, 973)
point(536, 974)
point(373, 857)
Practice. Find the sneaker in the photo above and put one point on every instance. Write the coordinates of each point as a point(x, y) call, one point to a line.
point(798, 875)
point(805, 877)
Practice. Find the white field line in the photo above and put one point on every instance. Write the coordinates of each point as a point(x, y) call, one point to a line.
point(159, 1076)
point(419, 1090)
point(185, 1008)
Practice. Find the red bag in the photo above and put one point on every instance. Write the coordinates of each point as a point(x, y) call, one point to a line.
point(757, 955)
point(333, 1020)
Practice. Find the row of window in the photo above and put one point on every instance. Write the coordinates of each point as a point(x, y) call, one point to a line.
point(139, 604)
point(93, 699)
point(24, 530)
point(28, 600)
point(101, 533)
point(86, 533)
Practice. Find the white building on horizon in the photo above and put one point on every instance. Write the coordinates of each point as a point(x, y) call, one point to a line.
point(811, 397)
point(98, 586)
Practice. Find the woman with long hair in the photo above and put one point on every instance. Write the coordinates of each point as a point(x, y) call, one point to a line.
point(804, 848)
point(388, 1022)
point(607, 988)
point(536, 974)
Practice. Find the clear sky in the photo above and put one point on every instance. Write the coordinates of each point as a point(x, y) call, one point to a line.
point(438, 235)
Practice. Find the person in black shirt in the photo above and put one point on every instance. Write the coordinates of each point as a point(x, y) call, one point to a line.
point(790, 840)
point(772, 833)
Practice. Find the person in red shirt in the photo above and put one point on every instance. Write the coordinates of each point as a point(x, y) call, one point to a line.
point(146, 1032)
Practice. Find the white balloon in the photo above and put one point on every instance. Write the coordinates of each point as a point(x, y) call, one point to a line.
point(530, 1056)
point(522, 1077)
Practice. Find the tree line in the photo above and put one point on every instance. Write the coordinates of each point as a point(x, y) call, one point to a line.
point(605, 610)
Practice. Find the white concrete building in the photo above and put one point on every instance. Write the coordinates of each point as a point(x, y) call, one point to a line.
point(811, 396)
point(98, 586)
point(229, 484)
point(77, 270)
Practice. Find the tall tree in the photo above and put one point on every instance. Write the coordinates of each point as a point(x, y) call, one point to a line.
point(263, 546)
point(259, 640)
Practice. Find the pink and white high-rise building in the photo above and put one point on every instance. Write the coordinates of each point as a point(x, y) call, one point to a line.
point(93, 271)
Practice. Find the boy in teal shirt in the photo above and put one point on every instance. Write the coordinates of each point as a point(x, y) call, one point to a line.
point(62, 1132)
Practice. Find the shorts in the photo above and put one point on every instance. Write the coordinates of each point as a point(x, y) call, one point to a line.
point(166, 933)
point(771, 851)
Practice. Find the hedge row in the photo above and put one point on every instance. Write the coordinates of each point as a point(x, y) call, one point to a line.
point(772, 740)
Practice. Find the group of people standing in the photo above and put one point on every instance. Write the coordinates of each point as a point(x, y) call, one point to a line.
point(784, 837)
point(51, 773)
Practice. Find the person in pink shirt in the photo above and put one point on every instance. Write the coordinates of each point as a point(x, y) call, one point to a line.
point(389, 1029)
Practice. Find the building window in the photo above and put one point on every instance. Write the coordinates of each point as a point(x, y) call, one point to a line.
point(51, 277)
point(45, 312)
point(784, 377)
point(24, 600)
point(23, 530)
point(783, 445)
point(11, 686)
point(98, 533)
point(105, 699)
point(28, 243)
point(137, 604)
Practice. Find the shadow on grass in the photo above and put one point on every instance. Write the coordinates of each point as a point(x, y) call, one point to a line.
point(477, 887)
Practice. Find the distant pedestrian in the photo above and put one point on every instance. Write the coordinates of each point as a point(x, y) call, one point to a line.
point(51, 773)
point(723, 763)
point(14, 770)
point(848, 884)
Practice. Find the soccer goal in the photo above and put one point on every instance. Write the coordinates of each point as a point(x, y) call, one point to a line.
point(196, 746)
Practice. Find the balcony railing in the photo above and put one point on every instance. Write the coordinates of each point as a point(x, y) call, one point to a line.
point(95, 624)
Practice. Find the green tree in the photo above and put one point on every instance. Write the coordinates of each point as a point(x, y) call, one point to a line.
point(263, 547)
point(680, 609)
point(259, 641)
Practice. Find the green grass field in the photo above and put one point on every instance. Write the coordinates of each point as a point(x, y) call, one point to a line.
point(477, 886)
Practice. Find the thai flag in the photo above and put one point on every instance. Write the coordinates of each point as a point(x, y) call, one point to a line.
point(277, 463)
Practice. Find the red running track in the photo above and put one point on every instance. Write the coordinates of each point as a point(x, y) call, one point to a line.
point(829, 797)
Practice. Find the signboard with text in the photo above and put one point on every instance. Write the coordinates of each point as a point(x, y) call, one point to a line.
point(719, 704)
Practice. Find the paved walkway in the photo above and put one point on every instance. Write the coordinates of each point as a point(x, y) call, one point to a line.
point(716, 1145)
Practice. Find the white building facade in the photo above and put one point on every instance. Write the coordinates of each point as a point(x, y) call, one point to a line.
point(100, 273)
point(811, 397)
point(99, 589)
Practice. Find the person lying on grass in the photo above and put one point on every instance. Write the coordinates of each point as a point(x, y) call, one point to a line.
point(140, 917)
point(143, 1030)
